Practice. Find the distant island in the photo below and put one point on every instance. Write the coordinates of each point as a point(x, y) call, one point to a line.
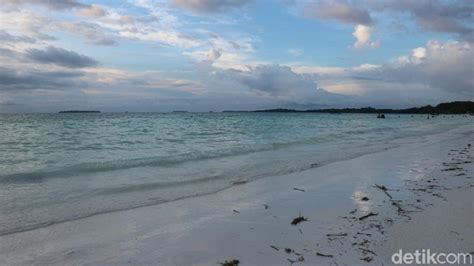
point(77, 111)
point(466, 107)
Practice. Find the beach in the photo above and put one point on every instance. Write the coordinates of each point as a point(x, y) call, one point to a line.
point(236, 132)
point(416, 193)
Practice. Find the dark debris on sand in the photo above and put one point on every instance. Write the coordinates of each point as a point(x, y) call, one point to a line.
point(230, 263)
point(363, 238)
point(298, 220)
point(367, 216)
point(324, 255)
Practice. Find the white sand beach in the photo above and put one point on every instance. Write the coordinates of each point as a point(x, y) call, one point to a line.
point(236, 132)
point(429, 180)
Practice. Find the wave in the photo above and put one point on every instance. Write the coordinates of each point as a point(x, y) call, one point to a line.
point(369, 133)
point(155, 161)
point(169, 161)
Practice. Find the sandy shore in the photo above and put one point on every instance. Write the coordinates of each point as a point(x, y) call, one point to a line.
point(418, 194)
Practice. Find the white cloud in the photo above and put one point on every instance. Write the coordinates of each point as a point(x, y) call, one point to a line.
point(419, 53)
point(438, 71)
point(213, 54)
point(164, 37)
point(318, 70)
point(93, 11)
point(445, 66)
point(363, 34)
point(91, 32)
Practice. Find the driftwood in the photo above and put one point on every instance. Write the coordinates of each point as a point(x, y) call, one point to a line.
point(452, 169)
point(333, 235)
point(367, 216)
point(275, 248)
point(384, 189)
point(324, 255)
point(299, 189)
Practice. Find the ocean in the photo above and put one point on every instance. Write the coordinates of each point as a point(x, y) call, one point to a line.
point(60, 167)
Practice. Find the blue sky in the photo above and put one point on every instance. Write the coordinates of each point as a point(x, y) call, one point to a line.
point(200, 55)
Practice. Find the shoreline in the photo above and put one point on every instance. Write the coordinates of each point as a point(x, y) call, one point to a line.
point(243, 222)
point(311, 151)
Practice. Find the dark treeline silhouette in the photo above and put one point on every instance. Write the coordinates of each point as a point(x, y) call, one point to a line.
point(466, 107)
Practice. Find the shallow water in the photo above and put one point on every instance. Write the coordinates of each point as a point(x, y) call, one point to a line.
point(58, 167)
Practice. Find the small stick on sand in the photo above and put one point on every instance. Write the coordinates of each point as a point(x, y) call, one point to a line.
point(367, 216)
point(384, 189)
point(299, 189)
point(341, 234)
point(368, 251)
point(324, 255)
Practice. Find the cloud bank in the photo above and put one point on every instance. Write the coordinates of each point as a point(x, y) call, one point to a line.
point(61, 57)
point(210, 6)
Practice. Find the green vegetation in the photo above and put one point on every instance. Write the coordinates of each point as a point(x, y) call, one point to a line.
point(466, 107)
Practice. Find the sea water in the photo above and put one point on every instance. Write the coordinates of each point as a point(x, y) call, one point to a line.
point(60, 167)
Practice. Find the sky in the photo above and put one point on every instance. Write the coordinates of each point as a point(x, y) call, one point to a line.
point(214, 55)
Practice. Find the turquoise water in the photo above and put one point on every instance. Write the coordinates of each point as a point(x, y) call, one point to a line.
point(59, 167)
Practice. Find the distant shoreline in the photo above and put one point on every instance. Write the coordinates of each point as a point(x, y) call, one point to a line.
point(457, 107)
point(466, 107)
